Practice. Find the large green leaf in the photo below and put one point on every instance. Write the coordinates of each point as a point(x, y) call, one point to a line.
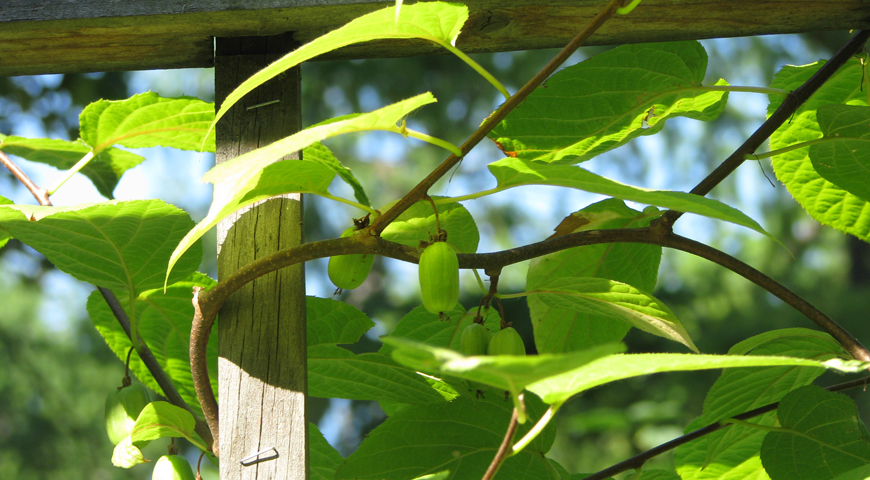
point(165, 420)
point(148, 120)
point(560, 388)
point(334, 372)
point(732, 453)
point(417, 224)
point(506, 372)
point(164, 323)
point(123, 246)
point(610, 301)
point(461, 436)
point(561, 330)
point(259, 174)
point(513, 172)
point(324, 459)
point(821, 437)
point(824, 201)
point(605, 101)
point(330, 322)
point(844, 158)
point(104, 170)
point(437, 22)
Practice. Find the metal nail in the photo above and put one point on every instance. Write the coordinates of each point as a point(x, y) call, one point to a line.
point(252, 459)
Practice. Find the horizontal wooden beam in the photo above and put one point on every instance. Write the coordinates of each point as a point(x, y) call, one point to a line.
point(64, 36)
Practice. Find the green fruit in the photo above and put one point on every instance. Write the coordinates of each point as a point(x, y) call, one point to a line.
point(122, 409)
point(506, 342)
point(439, 278)
point(172, 467)
point(350, 271)
point(474, 340)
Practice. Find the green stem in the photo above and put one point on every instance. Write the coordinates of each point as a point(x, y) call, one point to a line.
point(780, 151)
point(72, 171)
point(536, 429)
point(628, 8)
point(429, 139)
point(738, 88)
point(348, 202)
point(477, 68)
point(480, 281)
point(470, 196)
point(511, 295)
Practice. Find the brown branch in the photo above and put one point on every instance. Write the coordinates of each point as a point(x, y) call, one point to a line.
point(846, 340)
point(789, 106)
point(208, 302)
point(639, 460)
point(420, 191)
point(199, 333)
point(39, 193)
point(505, 446)
point(145, 354)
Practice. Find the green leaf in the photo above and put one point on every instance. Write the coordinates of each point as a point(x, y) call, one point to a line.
point(559, 388)
point(461, 436)
point(330, 322)
point(821, 437)
point(422, 326)
point(610, 301)
point(104, 171)
point(318, 153)
point(824, 201)
point(4, 235)
point(562, 330)
point(732, 453)
point(126, 455)
point(334, 372)
point(164, 323)
point(417, 224)
point(658, 475)
point(259, 174)
point(844, 158)
point(324, 459)
point(162, 420)
point(122, 246)
point(512, 172)
point(606, 100)
point(860, 473)
point(506, 372)
point(437, 22)
point(148, 120)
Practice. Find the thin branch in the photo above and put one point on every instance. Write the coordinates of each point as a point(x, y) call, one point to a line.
point(846, 340)
point(504, 448)
point(789, 106)
point(145, 353)
point(639, 460)
point(419, 191)
point(39, 193)
point(153, 366)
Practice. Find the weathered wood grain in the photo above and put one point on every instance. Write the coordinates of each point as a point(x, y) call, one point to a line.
point(59, 36)
point(262, 366)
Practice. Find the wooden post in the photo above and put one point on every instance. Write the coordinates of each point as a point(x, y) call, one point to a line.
point(262, 366)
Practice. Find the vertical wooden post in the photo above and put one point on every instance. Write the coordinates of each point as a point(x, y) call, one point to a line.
point(263, 366)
